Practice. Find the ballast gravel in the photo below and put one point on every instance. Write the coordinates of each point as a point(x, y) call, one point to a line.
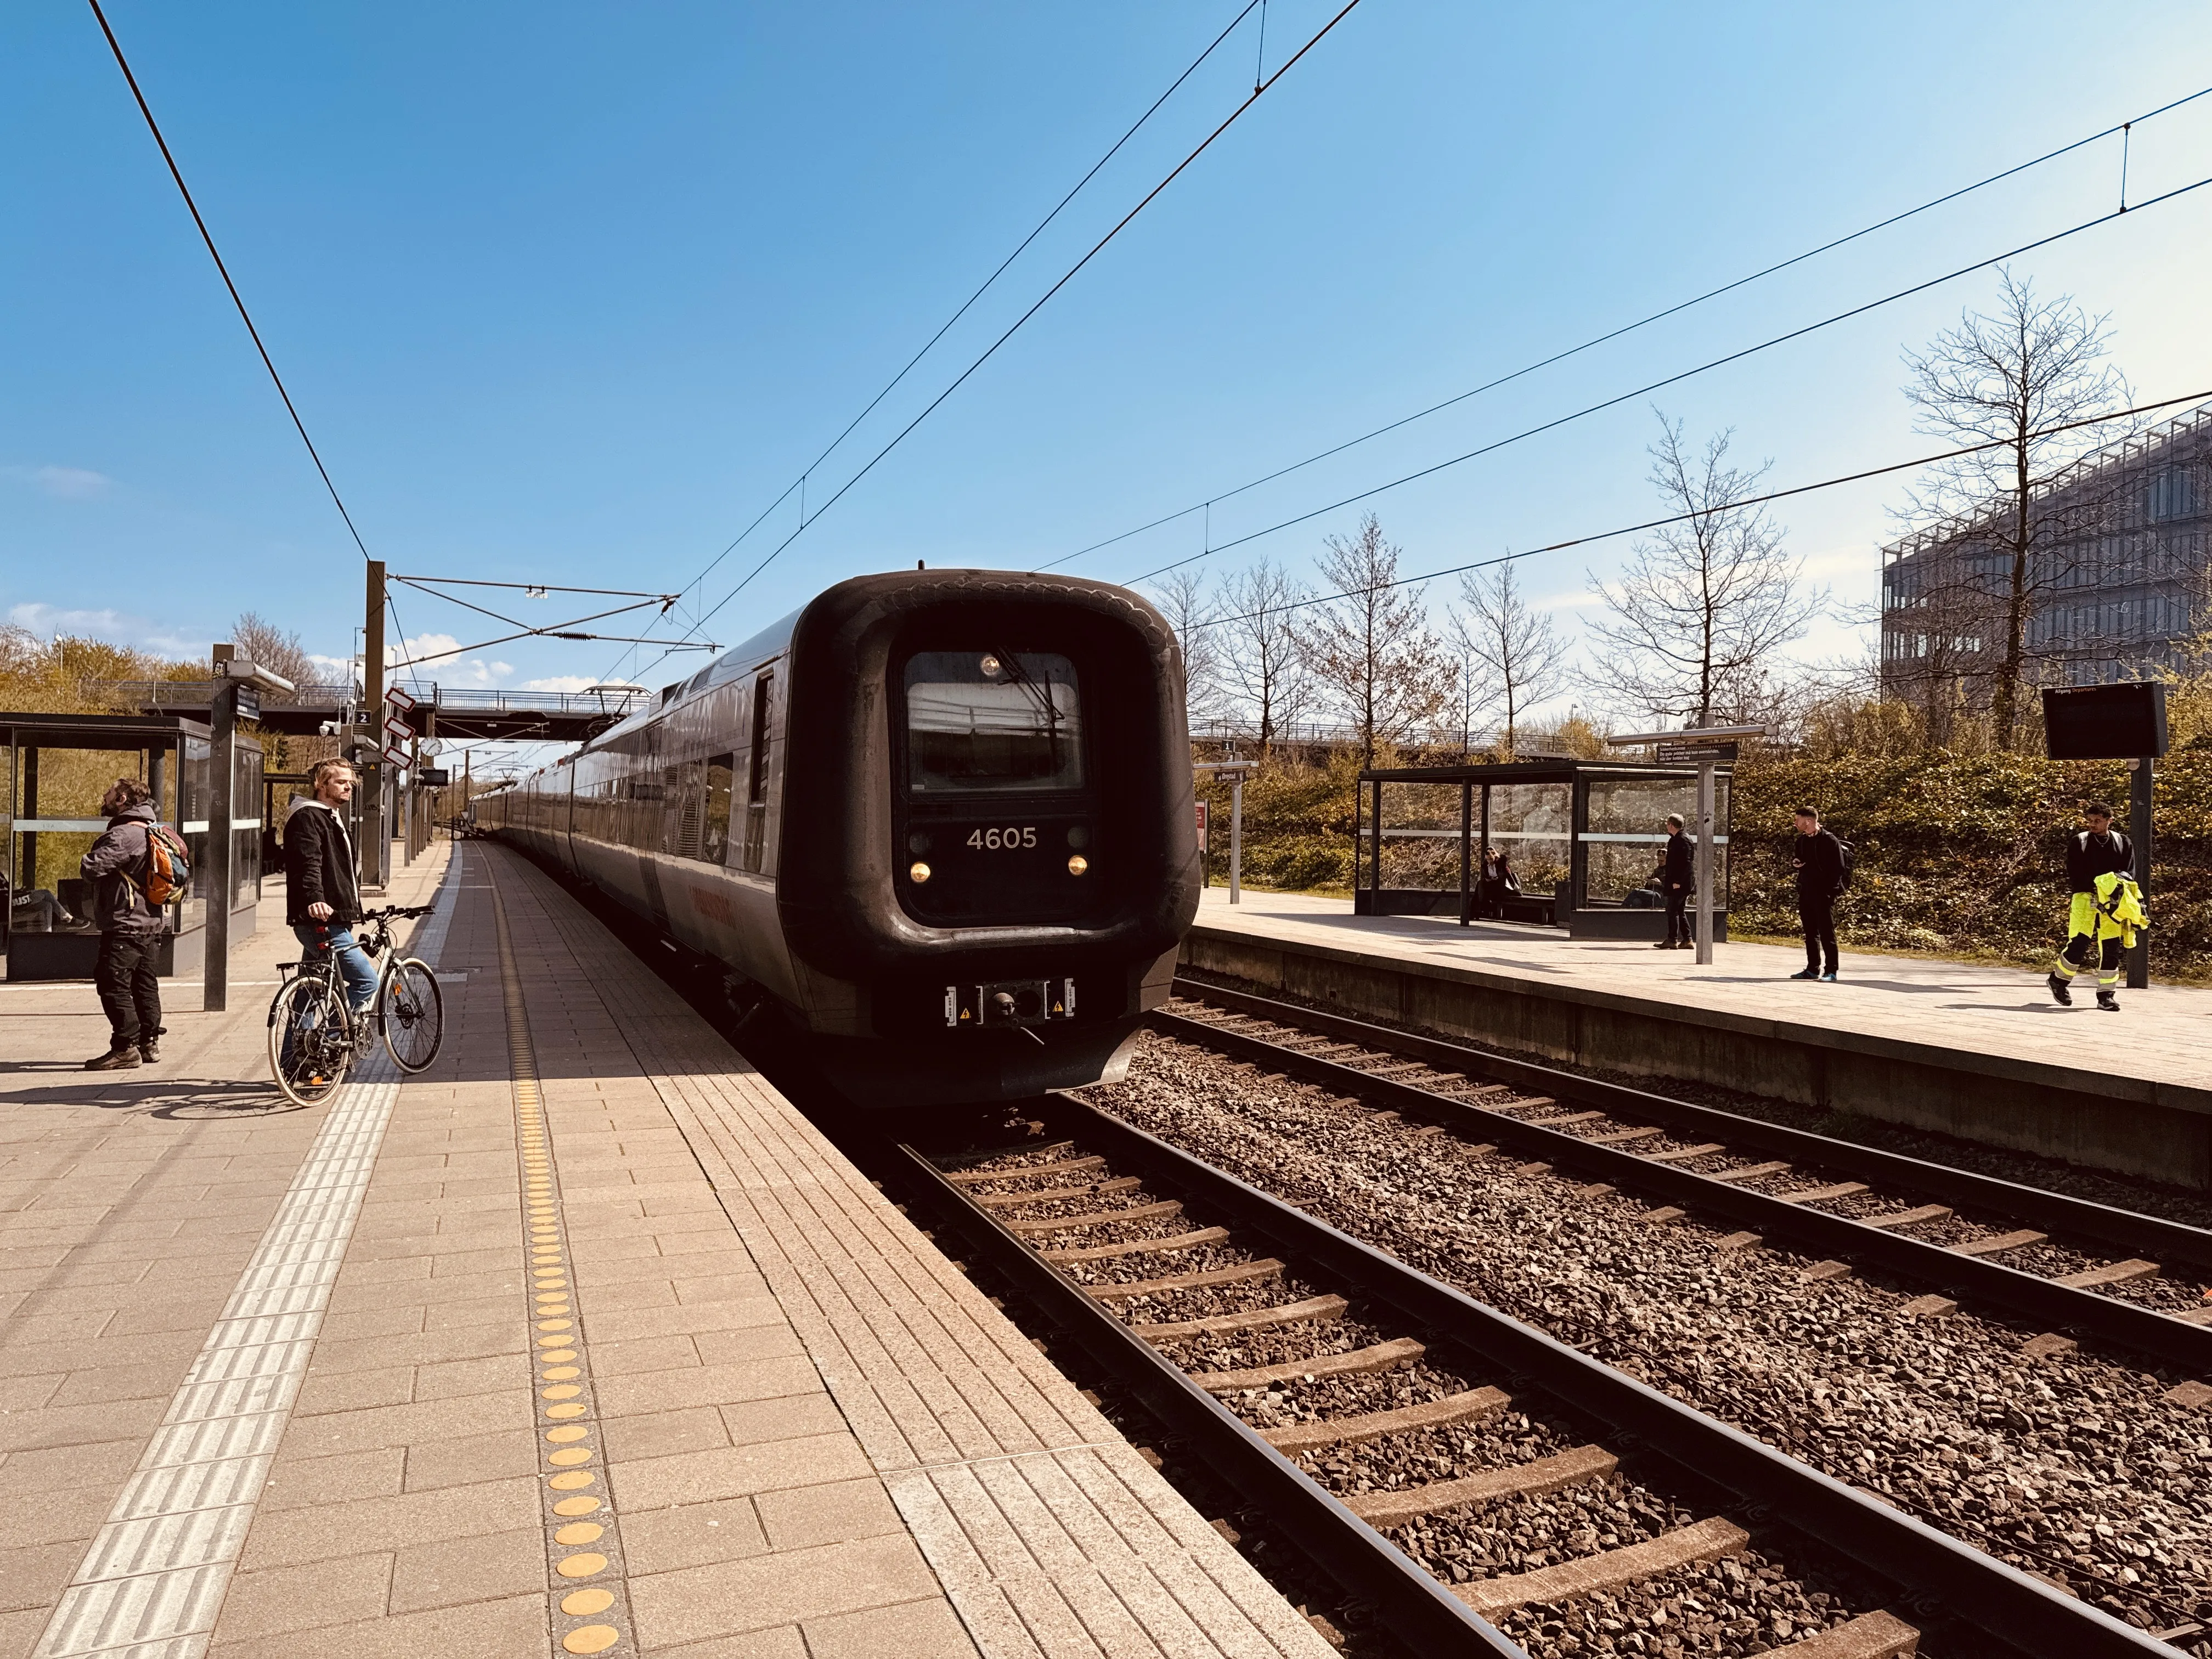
point(2069, 1466)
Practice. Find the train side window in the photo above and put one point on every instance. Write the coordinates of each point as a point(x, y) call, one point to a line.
point(715, 844)
point(757, 780)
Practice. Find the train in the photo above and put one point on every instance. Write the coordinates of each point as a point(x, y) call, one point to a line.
point(940, 824)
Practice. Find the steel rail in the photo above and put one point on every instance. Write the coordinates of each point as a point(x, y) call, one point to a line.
point(2127, 1230)
point(1938, 1571)
point(2142, 1329)
point(1416, 1606)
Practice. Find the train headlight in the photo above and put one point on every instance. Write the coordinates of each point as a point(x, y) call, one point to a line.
point(990, 667)
point(1077, 865)
point(918, 870)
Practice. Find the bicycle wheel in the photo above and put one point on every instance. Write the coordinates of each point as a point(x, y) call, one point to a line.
point(414, 1015)
point(310, 1046)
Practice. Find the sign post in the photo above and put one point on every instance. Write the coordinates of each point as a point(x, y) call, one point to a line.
point(238, 691)
point(1236, 769)
point(1704, 747)
point(2116, 722)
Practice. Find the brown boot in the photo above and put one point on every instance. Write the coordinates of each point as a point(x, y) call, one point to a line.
point(115, 1059)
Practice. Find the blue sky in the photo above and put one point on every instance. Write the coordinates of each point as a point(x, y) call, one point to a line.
point(568, 295)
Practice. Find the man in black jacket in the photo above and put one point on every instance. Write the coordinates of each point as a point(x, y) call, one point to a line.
point(322, 893)
point(1818, 857)
point(1678, 875)
point(130, 929)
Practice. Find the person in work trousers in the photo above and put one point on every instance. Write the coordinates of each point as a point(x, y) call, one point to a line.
point(130, 929)
point(1818, 857)
point(2096, 929)
point(322, 893)
point(1677, 877)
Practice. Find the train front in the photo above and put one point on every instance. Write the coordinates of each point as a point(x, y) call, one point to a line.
point(988, 855)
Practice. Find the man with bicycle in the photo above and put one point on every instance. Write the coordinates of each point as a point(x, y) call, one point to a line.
point(322, 896)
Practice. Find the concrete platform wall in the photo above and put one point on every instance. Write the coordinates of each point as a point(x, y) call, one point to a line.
point(2124, 1125)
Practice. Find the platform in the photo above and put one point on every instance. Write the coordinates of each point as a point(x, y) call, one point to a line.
point(1978, 1051)
point(585, 1341)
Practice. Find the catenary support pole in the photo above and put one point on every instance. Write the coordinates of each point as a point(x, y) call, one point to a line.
point(375, 850)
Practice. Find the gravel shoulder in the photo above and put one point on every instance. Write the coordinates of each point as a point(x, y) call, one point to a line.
point(2071, 1466)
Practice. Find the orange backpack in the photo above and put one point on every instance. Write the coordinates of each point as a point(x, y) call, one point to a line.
point(168, 866)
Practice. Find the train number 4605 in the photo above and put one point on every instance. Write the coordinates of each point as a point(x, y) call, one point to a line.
point(1006, 840)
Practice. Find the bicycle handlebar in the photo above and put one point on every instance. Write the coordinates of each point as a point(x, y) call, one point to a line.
point(397, 912)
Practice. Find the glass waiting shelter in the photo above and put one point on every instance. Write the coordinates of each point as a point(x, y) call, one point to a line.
point(53, 770)
point(1561, 843)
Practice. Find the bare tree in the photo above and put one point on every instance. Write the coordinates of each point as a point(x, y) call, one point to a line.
point(1522, 657)
point(1182, 600)
point(1696, 616)
point(260, 642)
point(2006, 379)
point(1371, 650)
point(1265, 664)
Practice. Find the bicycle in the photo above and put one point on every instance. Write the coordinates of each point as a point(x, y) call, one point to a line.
point(315, 1037)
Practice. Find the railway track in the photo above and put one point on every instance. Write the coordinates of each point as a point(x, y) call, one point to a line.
point(1100, 1223)
point(1703, 1159)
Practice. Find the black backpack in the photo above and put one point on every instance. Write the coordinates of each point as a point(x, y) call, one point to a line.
point(1848, 856)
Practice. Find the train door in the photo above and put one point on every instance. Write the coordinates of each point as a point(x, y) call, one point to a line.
point(757, 774)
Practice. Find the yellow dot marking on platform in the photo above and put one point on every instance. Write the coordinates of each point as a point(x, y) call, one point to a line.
point(565, 1379)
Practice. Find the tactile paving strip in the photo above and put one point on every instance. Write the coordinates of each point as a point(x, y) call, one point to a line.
point(153, 1581)
point(584, 1576)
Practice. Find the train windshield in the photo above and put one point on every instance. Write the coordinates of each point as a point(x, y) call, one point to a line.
point(991, 721)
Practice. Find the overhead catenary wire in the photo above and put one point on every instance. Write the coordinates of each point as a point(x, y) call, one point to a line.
point(1672, 380)
point(981, 288)
point(991, 350)
point(2123, 128)
point(1706, 513)
point(223, 270)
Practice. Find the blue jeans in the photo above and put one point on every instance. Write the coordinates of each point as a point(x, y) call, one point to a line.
point(354, 965)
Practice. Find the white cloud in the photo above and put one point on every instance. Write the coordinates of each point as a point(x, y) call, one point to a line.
point(116, 627)
point(68, 484)
point(561, 683)
point(438, 657)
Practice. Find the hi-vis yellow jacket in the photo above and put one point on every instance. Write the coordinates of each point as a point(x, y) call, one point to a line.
point(2115, 910)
